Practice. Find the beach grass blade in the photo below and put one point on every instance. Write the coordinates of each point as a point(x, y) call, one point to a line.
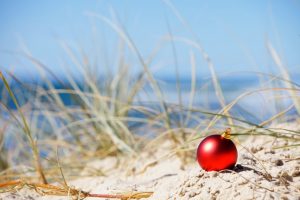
point(27, 131)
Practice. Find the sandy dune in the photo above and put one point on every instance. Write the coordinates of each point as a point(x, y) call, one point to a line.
point(262, 172)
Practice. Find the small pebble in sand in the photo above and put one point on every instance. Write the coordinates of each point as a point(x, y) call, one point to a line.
point(256, 149)
point(278, 162)
point(286, 176)
point(213, 174)
point(236, 194)
point(271, 196)
point(284, 198)
point(192, 194)
point(296, 173)
point(271, 152)
point(277, 183)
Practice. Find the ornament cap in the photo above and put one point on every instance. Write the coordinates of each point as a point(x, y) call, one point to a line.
point(226, 133)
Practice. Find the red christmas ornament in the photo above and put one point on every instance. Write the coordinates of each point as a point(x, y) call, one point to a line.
point(217, 152)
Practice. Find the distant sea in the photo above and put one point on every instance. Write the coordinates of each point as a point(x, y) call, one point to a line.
point(254, 107)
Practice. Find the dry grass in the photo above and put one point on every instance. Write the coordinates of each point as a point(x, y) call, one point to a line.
point(47, 189)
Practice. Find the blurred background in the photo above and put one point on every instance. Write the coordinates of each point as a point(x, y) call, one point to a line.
point(229, 39)
point(232, 33)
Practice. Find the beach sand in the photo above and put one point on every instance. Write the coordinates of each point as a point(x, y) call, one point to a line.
point(262, 172)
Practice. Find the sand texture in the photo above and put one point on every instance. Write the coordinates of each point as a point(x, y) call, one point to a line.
point(262, 172)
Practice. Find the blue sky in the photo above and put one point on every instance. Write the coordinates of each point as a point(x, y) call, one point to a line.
point(233, 33)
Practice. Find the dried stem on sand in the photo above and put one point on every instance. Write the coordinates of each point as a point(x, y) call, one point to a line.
point(48, 189)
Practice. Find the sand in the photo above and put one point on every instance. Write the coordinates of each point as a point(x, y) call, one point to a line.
point(262, 172)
